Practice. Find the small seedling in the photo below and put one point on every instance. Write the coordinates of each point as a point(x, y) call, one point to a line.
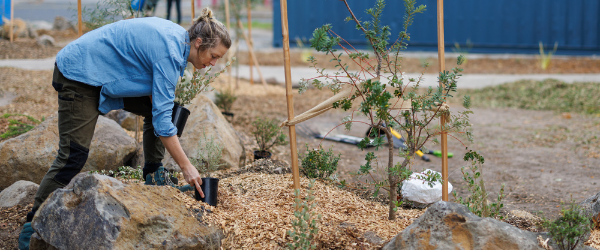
point(208, 158)
point(545, 59)
point(306, 226)
point(267, 133)
point(199, 82)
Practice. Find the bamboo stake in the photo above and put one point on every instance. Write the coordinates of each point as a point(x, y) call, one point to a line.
point(442, 67)
point(252, 55)
point(227, 14)
point(79, 19)
point(229, 52)
point(289, 93)
point(192, 23)
point(193, 11)
point(250, 37)
point(12, 19)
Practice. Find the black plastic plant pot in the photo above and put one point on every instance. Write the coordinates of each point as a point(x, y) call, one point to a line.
point(262, 154)
point(179, 117)
point(210, 188)
point(227, 113)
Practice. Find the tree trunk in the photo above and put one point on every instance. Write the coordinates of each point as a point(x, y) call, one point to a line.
point(392, 177)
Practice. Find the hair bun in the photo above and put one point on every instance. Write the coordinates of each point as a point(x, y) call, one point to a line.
point(206, 13)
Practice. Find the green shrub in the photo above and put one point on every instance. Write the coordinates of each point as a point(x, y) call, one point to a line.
point(478, 201)
point(124, 172)
point(186, 90)
point(267, 133)
point(318, 163)
point(572, 228)
point(224, 99)
point(305, 227)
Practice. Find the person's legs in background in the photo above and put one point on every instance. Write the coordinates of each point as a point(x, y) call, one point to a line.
point(178, 6)
point(169, 3)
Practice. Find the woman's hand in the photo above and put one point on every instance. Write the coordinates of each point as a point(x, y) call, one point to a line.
point(190, 173)
point(192, 177)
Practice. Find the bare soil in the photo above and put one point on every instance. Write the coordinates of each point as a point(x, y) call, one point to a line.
point(544, 159)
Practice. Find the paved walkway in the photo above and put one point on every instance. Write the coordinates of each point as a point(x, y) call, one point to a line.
point(277, 74)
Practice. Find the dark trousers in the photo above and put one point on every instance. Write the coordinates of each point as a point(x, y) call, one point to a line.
point(178, 6)
point(77, 117)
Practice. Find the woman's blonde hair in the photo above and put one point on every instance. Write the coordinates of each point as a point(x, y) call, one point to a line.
point(210, 30)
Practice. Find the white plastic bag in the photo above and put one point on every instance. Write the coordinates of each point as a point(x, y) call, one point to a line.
point(418, 189)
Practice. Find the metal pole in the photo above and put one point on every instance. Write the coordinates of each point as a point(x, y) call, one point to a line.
point(442, 65)
point(79, 19)
point(289, 93)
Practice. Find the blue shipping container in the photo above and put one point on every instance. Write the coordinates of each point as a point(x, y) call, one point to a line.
point(508, 26)
point(4, 10)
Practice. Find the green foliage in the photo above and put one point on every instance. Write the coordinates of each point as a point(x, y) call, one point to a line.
point(478, 202)
point(199, 82)
point(548, 94)
point(572, 228)
point(224, 99)
point(267, 133)
point(106, 12)
point(305, 228)
point(464, 50)
point(208, 157)
point(545, 59)
point(123, 172)
point(318, 163)
point(16, 128)
point(430, 177)
point(380, 102)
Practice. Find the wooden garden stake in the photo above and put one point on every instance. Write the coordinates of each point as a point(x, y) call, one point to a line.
point(250, 36)
point(12, 19)
point(192, 23)
point(442, 62)
point(227, 14)
point(193, 11)
point(79, 19)
point(289, 93)
point(252, 55)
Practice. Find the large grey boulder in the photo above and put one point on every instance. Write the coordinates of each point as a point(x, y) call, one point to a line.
point(28, 156)
point(45, 40)
point(20, 193)
point(61, 23)
point(99, 212)
point(591, 206)
point(206, 118)
point(447, 225)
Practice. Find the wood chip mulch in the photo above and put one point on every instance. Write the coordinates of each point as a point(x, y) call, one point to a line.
point(255, 210)
point(11, 223)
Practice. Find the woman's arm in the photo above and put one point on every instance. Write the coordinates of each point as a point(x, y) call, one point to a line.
point(190, 173)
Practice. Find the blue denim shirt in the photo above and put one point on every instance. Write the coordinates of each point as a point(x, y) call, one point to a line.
point(131, 58)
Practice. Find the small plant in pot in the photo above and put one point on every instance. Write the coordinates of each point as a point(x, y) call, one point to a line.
point(187, 90)
point(224, 99)
point(268, 134)
point(208, 160)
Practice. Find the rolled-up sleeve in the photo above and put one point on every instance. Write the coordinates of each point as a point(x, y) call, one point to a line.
point(165, 76)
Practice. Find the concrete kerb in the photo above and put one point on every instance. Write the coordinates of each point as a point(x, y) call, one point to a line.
point(276, 74)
